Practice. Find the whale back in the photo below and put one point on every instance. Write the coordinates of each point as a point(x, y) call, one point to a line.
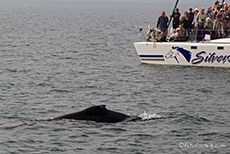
point(96, 113)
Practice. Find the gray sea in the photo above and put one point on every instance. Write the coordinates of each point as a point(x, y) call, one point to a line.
point(59, 57)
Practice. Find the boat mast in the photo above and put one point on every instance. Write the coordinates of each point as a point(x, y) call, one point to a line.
point(177, 1)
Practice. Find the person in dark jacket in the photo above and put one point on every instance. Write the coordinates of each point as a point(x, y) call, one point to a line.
point(187, 24)
point(176, 18)
point(162, 22)
point(191, 15)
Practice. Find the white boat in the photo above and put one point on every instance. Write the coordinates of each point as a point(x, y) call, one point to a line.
point(210, 53)
point(214, 53)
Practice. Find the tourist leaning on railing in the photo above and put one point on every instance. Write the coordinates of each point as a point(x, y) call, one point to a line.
point(208, 28)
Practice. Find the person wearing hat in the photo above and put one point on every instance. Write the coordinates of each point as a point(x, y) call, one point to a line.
point(187, 25)
point(196, 11)
point(208, 29)
point(220, 21)
point(190, 15)
point(208, 26)
point(176, 18)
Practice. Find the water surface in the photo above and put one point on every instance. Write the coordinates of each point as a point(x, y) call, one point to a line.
point(58, 58)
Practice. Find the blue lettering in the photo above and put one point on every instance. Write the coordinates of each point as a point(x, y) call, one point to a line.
point(211, 58)
point(199, 58)
point(219, 59)
point(206, 59)
point(225, 58)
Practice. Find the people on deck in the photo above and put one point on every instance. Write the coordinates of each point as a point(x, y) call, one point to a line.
point(150, 34)
point(227, 26)
point(191, 15)
point(215, 21)
point(194, 23)
point(220, 23)
point(208, 26)
point(176, 18)
point(209, 14)
point(216, 5)
point(173, 35)
point(162, 22)
point(201, 18)
point(187, 25)
point(162, 37)
point(183, 17)
point(226, 9)
point(181, 34)
point(228, 14)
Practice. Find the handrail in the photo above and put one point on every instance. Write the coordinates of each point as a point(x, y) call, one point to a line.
point(172, 13)
point(195, 35)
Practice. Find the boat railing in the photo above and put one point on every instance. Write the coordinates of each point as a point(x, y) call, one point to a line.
point(192, 35)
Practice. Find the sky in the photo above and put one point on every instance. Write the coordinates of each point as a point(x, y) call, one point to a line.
point(161, 3)
point(131, 2)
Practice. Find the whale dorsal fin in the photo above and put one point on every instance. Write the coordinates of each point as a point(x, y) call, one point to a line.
point(103, 106)
point(98, 109)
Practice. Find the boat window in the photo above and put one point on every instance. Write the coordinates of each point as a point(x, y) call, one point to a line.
point(220, 48)
point(193, 47)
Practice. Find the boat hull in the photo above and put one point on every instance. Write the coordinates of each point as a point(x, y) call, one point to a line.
point(184, 53)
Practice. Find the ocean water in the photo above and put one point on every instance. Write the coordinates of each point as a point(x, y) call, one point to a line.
point(58, 58)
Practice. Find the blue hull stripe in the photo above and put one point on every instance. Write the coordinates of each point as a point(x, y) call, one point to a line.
point(152, 60)
point(152, 56)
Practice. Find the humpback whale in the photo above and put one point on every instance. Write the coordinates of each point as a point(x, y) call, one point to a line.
point(99, 114)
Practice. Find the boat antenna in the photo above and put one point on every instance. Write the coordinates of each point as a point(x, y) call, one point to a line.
point(177, 1)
